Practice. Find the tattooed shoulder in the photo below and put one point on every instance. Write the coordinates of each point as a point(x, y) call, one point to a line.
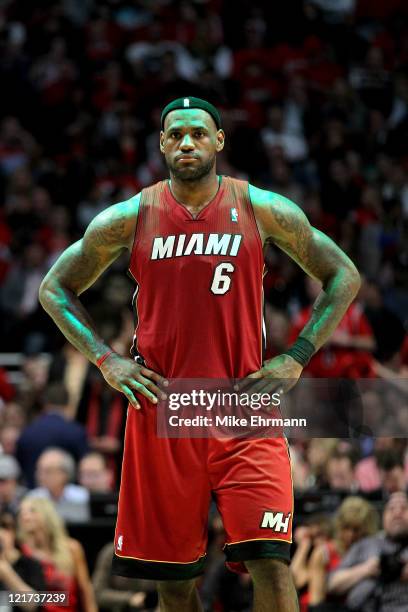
point(285, 224)
point(115, 226)
point(279, 219)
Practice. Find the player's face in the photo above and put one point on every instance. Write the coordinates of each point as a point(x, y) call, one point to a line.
point(190, 142)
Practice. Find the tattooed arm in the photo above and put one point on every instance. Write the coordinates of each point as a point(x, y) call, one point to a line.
point(107, 237)
point(285, 224)
point(282, 222)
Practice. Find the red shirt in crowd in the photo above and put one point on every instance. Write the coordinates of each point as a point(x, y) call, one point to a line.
point(333, 361)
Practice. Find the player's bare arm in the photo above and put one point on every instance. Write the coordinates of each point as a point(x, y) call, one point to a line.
point(107, 237)
point(282, 222)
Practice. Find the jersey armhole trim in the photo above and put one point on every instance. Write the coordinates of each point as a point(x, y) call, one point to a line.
point(254, 218)
point(132, 251)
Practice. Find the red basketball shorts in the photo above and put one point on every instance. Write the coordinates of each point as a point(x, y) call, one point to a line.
point(166, 489)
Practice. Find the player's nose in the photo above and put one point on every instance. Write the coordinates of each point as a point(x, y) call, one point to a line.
point(187, 143)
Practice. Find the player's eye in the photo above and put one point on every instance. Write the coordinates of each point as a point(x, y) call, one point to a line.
point(199, 134)
point(175, 135)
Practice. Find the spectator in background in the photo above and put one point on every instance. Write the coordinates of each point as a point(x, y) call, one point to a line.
point(373, 575)
point(340, 474)
point(43, 537)
point(13, 414)
point(55, 471)
point(70, 368)
point(16, 145)
point(348, 352)
point(355, 519)
point(387, 327)
point(12, 421)
point(313, 532)
point(11, 493)
point(8, 439)
point(367, 470)
point(7, 390)
point(119, 594)
point(367, 219)
point(317, 455)
point(392, 472)
point(300, 469)
point(50, 428)
point(94, 474)
point(277, 325)
point(372, 81)
point(35, 372)
point(19, 297)
point(18, 572)
point(276, 137)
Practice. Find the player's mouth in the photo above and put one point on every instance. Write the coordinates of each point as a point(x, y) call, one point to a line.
point(186, 158)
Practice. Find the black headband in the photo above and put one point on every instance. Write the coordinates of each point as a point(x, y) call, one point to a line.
point(183, 103)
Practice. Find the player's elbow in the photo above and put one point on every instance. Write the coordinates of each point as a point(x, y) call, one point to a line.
point(353, 278)
point(43, 293)
point(47, 292)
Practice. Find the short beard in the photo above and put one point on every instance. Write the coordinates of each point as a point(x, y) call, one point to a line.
point(191, 175)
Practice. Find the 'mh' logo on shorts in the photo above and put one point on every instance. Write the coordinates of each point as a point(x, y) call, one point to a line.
point(277, 521)
point(120, 542)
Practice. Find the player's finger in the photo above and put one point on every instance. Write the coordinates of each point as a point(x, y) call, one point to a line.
point(274, 401)
point(154, 376)
point(260, 387)
point(263, 386)
point(131, 398)
point(137, 386)
point(269, 385)
point(287, 384)
point(152, 387)
point(247, 382)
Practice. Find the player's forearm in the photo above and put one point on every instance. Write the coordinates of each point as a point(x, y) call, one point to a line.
point(68, 313)
point(331, 305)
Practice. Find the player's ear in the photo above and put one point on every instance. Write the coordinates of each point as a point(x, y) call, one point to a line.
point(162, 142)
point(220, 140)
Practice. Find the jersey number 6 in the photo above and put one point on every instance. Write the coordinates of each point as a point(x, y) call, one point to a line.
point(221, 282)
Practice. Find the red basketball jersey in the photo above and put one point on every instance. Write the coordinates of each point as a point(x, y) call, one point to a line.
point(199, 295)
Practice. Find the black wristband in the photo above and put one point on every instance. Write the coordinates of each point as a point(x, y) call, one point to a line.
point(301, 351)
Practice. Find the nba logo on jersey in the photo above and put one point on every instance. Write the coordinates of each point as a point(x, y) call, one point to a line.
point(186, 102)
point(120, 542)
point(234, 215)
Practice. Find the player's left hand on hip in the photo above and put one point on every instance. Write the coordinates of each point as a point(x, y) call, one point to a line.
point(276, 375)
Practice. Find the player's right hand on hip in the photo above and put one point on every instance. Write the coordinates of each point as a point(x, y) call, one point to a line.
point(129, 378)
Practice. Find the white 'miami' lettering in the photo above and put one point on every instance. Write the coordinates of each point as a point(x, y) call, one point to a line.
point(180, 245)
point(217, 244)
point(235, 245)
point(165, 247)
point(196, 244)
point(162, 249)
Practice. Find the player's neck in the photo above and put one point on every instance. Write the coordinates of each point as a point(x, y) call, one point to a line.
point(195, 195)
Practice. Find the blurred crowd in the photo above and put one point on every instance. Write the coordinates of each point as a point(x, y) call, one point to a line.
point(314, 100)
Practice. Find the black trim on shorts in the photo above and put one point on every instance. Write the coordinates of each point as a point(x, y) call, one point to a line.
point(156, 570)
point(257, 549)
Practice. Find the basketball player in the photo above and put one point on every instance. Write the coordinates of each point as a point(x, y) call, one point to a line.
point(196, 253)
